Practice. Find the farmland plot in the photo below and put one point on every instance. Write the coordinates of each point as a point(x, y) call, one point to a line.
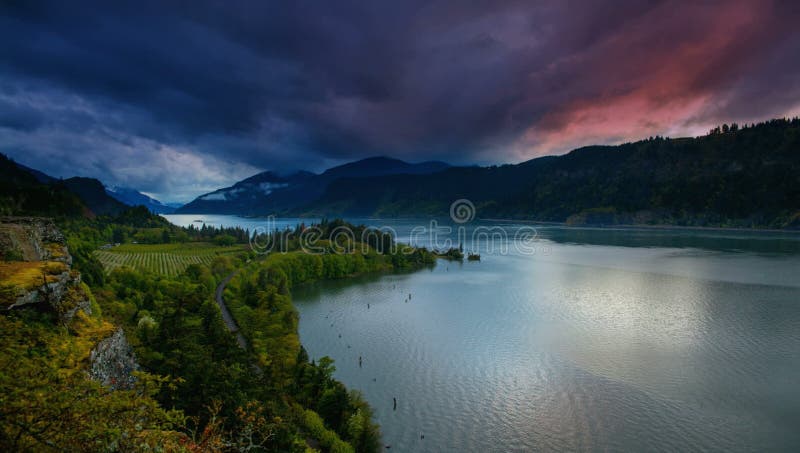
point(165, 259)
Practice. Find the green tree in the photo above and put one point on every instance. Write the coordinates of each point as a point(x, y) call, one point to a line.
point(363, 434)
point(225, 240)
point(118, 237)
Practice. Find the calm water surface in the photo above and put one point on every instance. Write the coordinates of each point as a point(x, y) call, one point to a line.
point(638, 340)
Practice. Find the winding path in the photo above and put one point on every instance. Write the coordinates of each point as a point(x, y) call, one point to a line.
point(226, 315)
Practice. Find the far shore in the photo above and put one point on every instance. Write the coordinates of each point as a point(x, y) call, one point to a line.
point(664, 227)
point(649, 226)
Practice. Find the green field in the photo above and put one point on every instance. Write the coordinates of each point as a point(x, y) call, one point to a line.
point(165, 259)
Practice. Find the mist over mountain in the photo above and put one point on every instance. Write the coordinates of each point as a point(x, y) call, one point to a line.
point(734, 176)
point(745, 176)
point(360, 227)
point(270, 193)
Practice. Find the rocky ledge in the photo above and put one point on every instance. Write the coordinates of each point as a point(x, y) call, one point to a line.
point(35, 269)
point(36, 272)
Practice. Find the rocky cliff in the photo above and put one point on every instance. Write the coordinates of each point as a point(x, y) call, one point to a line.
point(32, 239)
point(35, 270)
point(36, 273)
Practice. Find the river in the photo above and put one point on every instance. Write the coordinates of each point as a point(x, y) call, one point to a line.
point(591, 339)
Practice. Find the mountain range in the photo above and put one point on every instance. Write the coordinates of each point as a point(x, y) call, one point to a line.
point(260, 193)
point(24, 190)
point(270, 193)
point(732, 177)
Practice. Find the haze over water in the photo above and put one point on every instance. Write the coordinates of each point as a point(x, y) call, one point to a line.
point(601, 340)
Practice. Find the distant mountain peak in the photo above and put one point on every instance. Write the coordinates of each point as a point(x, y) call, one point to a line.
point(382, 165)
point(271, 192)
point(133, 197)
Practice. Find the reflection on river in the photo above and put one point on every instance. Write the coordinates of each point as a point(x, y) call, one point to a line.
point(603, 339)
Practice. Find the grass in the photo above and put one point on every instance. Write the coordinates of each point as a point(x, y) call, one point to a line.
point(164, 259)
point(19, 276)
point(29, 274)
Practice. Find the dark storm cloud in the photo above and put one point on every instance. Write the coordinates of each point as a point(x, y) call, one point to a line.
point(20, 117)
point(178, 97)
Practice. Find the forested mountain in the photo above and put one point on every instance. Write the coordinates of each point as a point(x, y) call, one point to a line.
point(269, 193)
point(378, 166)
point(262, 193)
point(39, 175)
point(93, 193)
point(734, 176)
point(22, 193)
point(27, 191)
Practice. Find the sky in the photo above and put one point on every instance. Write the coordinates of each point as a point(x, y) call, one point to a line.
point(179, 98)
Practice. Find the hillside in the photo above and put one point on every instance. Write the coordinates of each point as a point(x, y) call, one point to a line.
point(269, 193)
point(21, 193)
point(22, 182)
point(68, 379)
point(265, 192)
point(93, 193)
point(25, 191)
point(139, 358)
point(748, 177)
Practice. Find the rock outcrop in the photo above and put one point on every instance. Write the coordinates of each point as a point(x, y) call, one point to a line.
point(32, 239)
point(113, 362)
point(36, 273)
point(35, 269)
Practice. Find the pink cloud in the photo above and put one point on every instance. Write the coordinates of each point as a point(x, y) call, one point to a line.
point(670, 72)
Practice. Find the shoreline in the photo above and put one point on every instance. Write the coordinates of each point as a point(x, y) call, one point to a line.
point(664, 227)
point(649, 226)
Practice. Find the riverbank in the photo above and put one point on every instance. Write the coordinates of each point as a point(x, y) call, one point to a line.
point(655, 227)
point(259, 300)
point(518, 352)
